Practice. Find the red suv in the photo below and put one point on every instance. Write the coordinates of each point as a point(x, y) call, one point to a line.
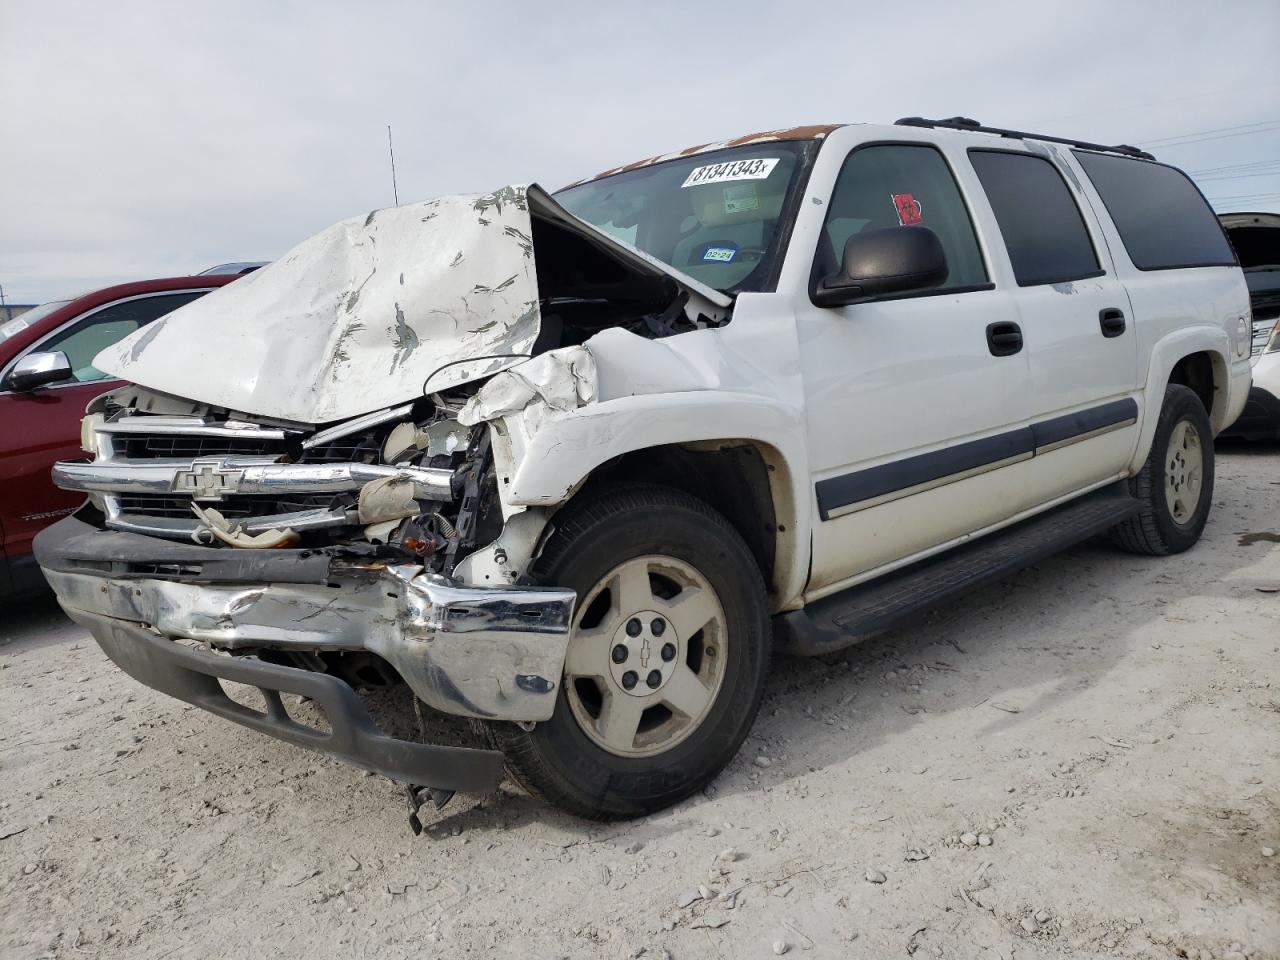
point(46, 379)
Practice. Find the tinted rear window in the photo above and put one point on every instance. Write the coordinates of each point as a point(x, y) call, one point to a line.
point(1162, 219)
point(1039, 220)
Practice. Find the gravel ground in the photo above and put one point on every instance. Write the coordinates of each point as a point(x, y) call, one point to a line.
point(1082, 761)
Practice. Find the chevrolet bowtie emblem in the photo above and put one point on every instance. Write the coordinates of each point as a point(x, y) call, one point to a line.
point(207, 480)
point(644, 654)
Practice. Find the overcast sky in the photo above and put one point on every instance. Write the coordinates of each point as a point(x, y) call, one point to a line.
point(157, 139)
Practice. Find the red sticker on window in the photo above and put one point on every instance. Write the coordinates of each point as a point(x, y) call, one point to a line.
point(909, 210)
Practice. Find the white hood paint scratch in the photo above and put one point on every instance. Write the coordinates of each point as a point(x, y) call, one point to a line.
point(355, 318)
point(361, 315)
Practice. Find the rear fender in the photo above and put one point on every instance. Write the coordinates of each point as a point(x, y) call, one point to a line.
point(1201, 338)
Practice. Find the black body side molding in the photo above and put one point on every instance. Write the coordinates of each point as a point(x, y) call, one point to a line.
point(835, 493)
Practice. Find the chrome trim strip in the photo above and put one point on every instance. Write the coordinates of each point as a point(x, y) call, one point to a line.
point(1049, 447)
point(359, 423)
point(175, 528)
point(242, 475)
point(194, 426)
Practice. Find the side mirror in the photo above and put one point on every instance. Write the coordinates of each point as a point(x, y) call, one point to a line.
point(38, 369)
point(880, 262)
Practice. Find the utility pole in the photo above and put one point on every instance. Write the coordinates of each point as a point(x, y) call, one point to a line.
point(3, 308)
point(391, 150)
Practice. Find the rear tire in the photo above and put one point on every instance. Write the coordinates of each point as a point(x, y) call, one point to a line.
point(654, 700)
point(1175, 485)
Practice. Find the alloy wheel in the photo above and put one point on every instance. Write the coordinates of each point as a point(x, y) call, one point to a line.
point(647, 656)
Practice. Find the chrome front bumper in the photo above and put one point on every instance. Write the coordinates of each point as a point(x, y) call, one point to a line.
point(492, 653)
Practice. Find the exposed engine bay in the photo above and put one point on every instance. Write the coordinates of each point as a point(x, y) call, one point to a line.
point(406, 303)
point(273, 444)
point(414, 485)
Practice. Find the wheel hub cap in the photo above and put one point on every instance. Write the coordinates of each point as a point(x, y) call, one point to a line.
point(643, 659)
point(1184, 472)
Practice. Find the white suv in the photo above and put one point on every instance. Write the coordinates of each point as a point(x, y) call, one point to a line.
point(575, 467)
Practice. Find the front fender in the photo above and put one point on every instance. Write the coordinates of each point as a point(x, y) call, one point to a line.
point(545, 465)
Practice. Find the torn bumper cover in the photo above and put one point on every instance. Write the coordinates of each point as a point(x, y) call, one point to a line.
point(194, 677)
point(475, 652)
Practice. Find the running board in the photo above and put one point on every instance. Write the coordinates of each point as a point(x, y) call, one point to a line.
point(862, 611)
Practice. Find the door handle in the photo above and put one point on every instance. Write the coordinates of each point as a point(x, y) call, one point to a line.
point(1111, 320)
point(1004, 339)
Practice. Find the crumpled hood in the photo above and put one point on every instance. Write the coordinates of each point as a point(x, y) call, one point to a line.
point(362, 315)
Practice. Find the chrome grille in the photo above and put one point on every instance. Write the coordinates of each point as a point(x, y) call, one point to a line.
point(350, 450)
point(151, 469)
point(141, 446)
point(142, 438)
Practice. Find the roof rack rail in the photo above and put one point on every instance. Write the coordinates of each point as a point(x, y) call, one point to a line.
point(964, 123)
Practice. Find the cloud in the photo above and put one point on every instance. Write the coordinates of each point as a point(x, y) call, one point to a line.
point(149, 139)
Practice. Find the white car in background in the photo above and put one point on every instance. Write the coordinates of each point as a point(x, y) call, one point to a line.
point(1256, 237)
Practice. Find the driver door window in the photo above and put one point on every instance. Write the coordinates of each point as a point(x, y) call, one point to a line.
point(902, 185)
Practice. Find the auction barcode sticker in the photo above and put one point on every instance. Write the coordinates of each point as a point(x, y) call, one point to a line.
point(756, 169)
point(16, 325)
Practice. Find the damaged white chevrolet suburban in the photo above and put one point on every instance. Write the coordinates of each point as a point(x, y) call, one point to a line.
point(574, 467)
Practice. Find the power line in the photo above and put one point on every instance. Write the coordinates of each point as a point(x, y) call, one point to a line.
point(1245, 197)
point(1233, 167)
point(1199, 133)
point(1225, 136)
point(1145, 104)
point(1190, 139)
point(1261, 172)
point(1222, 178)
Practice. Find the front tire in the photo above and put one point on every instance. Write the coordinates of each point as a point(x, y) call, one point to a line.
point(1175, 485)
point(666, 663)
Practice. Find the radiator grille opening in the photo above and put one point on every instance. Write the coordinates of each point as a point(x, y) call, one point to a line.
point(233, 508)
point(146, 446)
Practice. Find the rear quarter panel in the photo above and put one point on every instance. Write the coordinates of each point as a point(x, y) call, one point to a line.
point(1176, 313)
point(1181, 312)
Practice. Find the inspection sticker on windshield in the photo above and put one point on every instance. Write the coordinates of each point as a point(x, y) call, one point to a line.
point(757, 169)
point(719, 254)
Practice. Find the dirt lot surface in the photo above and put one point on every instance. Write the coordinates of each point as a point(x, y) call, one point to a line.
point(1083, 761)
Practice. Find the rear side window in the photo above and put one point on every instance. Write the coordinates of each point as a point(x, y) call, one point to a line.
point(1039, 220)
point(1163, 220)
